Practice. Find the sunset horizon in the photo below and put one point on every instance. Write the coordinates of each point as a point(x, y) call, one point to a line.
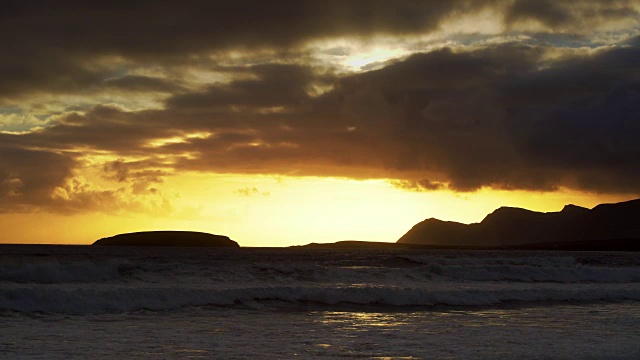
point(378, 231)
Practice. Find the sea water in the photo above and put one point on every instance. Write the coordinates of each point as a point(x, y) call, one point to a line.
point(105, 302)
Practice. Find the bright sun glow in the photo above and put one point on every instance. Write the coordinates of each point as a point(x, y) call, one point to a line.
point(372, 57)
point(356, 56)
point(284, 211)
point(178, 139)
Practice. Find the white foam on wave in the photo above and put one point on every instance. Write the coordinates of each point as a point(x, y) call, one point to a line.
point(570, 272)
point(90, 299)
point(526, 273)
point(90, 283)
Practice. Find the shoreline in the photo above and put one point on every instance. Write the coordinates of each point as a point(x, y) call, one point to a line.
point(609, 245)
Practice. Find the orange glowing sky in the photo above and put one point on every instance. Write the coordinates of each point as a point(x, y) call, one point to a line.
point(298, 122)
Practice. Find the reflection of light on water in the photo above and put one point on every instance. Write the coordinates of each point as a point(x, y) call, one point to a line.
point(490, 317)
point(397, 334)
point(433, 322)
point(359, 320)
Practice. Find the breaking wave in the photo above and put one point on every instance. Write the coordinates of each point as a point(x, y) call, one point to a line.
point(138, 281)
point(119, 299)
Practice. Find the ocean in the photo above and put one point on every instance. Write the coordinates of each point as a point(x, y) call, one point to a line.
point(60, 302)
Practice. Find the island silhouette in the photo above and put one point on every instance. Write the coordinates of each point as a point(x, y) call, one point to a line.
point(168, 238)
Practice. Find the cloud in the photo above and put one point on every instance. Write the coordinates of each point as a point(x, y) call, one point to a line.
point(138, 83)
point(101, 45)
point(76, 194)
point(491, 117)
point(36, 180)
point(237, 88)
point(500, 116)
point(28, 176)
point(418, 185)
point(252, 191)
point(121, 171)
point(14, 122)
point(11, 186)
point(274, 85)
point(573, 16)
point(102, 41)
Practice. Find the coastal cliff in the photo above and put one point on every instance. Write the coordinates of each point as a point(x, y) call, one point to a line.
point(509, 226)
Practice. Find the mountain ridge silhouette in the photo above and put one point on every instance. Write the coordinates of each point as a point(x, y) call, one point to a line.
point(511, 226)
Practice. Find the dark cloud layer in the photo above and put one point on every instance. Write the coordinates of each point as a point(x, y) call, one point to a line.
point(46, 46)
point(489, 117)
point(29, 177)
point(147, 28)
point(274, 85)
point(62, 47)
point(32, 180)
point(566, 15)
point(509, 116)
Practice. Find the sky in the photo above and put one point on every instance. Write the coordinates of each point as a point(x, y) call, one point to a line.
point(287, 122)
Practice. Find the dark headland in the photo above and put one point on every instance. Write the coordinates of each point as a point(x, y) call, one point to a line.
point(606, 227)
point(168, 238)
point(514, 227)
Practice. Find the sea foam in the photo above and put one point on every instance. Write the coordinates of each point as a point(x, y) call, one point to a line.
point(142, 280)
point(84, 299)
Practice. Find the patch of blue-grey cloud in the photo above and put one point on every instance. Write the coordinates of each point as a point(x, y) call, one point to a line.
point(20, 122)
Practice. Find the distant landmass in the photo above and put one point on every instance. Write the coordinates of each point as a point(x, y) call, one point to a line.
point(168, 238)
point(357, 244)
point(587, 245)
point(605, 227)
